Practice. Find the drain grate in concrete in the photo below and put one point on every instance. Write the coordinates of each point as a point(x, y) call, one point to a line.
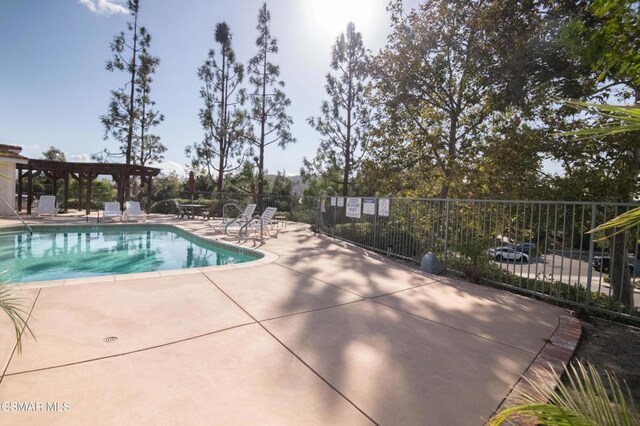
point(110, 339)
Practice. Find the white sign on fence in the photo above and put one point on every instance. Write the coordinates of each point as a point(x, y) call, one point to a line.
point(369, 206)
point(383, 207)
point(353, 207)
point(340, 201)
point(333, 201)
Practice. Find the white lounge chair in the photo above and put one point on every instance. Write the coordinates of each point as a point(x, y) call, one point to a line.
point(112, 211)
point(46, 205)
point(133, 211)
point(233, 227)
point(260, 225)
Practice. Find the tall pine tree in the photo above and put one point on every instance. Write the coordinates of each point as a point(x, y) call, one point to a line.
point(346, 118)
point(222, 118)
point(130, 115)
point(146, 147)
point(268, 101)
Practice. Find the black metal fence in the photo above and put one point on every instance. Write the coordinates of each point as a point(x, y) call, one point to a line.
point(540, 248)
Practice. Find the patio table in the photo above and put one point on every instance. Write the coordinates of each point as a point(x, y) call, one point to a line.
point(192, 209)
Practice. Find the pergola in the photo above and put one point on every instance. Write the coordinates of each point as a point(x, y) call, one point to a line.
point(84, 173)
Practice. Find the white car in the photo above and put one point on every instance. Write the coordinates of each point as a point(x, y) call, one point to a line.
point(508, 253)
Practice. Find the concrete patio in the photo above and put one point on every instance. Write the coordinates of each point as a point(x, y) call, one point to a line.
point(326, 333)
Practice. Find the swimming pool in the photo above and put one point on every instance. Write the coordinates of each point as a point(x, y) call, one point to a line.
point(66, 252)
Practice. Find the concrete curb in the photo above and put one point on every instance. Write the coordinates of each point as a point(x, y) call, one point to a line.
point(557, 353)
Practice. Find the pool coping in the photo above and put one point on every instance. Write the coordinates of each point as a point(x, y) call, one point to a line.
point(266, 257)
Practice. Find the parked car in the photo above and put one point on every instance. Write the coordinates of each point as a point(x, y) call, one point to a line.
point(508, 253)
point(525, 247)
point(601, 263)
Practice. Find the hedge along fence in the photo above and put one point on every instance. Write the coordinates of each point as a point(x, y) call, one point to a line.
point(573, 294)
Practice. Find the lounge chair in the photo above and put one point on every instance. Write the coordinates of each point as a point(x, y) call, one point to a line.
point(260, 225)
point(133, 211)
point(46, 206)
point(233, 227)
point(112, 211)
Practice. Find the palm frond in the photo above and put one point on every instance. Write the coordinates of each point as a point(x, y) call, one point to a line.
point(628, 118)
point(619, 224)
point(546, 414)
point(11, 307)
point(582, 400)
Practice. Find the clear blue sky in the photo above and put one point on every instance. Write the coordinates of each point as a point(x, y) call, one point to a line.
point(54, 86)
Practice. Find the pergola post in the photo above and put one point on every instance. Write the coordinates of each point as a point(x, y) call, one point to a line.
point(20, 175)
point(29, 189)
point(149, 189)
point(89, 180)
point(80, 204)
point(120, 189)
point(66, 192)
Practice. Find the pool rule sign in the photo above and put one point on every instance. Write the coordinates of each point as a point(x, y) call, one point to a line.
point(369, 206)
point(354, 207)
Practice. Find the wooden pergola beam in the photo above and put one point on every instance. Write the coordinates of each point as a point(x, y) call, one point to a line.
point(56, 170)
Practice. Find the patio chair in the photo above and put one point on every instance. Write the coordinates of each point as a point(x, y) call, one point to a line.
point(46, 206)
point(133, 211)
point(233, 227)
point(112, 211)
point(204, 212)
point(181, 210)
point(260, 224)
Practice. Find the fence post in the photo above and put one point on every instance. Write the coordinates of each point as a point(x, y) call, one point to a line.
point(590, 262)
point(446, 232)
point(375, 225)
point(318, 230)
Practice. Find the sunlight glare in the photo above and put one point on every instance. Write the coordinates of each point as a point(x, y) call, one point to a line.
point(330, 17)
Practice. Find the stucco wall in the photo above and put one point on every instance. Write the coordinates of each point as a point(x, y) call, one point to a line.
point(7, 186)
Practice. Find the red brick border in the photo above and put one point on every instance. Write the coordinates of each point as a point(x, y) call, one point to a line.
point(557, 352)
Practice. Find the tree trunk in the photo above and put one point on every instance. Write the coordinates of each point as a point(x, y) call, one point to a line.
point(347, 151)
point(263, 120)
point(620, 278)
point(132, 93)
point(452, 156)
point(220, 175)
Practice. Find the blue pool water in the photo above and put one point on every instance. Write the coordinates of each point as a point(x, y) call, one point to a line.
point(74, 252)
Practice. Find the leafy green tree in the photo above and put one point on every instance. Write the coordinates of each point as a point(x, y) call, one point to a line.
point(245, 181)
point(223, 120)
point(167, 186)
point(510, 165)
point(268, 101)
point(282, 185)
point(102, 190)
point(602, 159)
point(462, 81)
point(130, 114)
point(606, 157)
point(606, 40)
point(435, 88)
point(329, 183)
point(345, 119)
point(54, 154)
